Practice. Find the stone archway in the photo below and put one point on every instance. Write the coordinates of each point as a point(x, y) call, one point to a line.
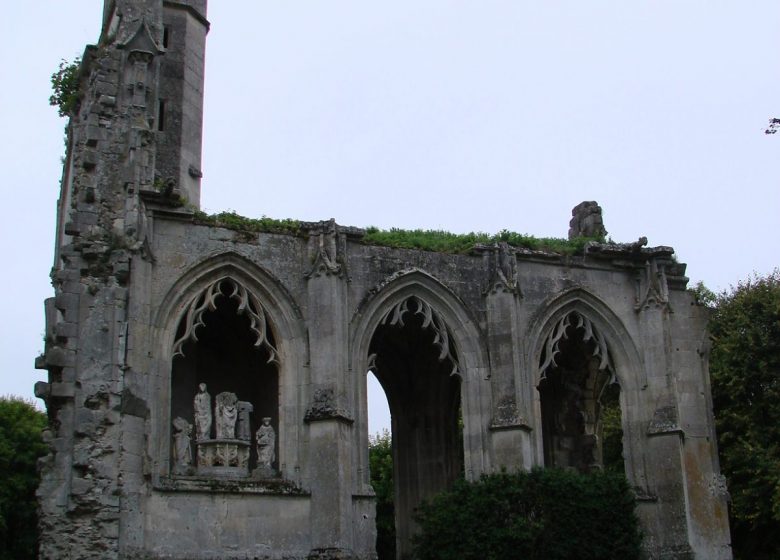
point(225, 348)
point(426, 351)
point(260, 318)
point(609, 368)
point(416, 364)
point(577, 392)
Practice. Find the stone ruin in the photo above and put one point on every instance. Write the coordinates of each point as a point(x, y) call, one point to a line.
point(156, 309)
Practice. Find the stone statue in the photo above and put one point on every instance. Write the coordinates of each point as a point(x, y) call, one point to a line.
point(244, 431)
point(182, 451)
point(226, 415)
point(202, 407)
point(266, 443)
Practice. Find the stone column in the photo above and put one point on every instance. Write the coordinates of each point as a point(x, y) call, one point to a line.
point(705, 488)
point(328, 417)
point(509, 427)
point(657, 469)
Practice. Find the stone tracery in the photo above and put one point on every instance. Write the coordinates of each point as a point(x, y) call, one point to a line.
point(430, 320)
point(559, 332)
point(248, 305)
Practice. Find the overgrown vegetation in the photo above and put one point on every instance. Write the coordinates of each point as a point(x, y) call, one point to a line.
point(65, 87)
point(545, 514)
point(446, 242)
point(380, 458)
point(231, 220)
point(20, 447)
point(426, 240)
point(745, 369)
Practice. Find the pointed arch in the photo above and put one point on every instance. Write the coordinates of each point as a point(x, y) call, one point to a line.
point(265, 286)
point(464, 334)
point(613, 336)
point(274, 319)
point(614, 348)
point(433, 367)
point(387, 299)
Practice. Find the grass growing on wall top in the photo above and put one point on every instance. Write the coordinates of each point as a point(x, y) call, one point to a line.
point(231, 220)
point(447, 242)
point(424, 240)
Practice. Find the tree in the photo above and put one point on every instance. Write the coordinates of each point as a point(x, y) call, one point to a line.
point(20, 447)
point(380, 458)
point(745, 369)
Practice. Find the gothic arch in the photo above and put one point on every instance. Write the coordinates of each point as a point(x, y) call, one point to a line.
point(615, 345)
point(432, 365)
point(471, 355)
point(272, 311)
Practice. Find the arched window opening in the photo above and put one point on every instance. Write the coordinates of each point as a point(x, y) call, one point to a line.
point(415, 361)
point(580, 399)
point(224, 387)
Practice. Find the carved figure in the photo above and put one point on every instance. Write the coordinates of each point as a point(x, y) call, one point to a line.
point(226, 415)
point(182, 451)
point(266, 443)
point(202, 407)
point(244, 431)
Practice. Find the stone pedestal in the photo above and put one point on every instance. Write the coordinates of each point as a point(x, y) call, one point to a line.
point(223, 458)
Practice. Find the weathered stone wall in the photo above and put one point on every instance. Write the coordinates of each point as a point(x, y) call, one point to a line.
point(132, 259)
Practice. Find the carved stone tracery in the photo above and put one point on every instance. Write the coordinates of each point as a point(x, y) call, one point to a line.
point(248, 305)
point(431, 320)
point(558, 333)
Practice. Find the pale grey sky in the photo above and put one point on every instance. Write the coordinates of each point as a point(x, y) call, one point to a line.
point(457, 115)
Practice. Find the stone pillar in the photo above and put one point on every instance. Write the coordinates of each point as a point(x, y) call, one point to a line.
point(657, 472)
point(512, 447)
point(705, 488)
point(328, 417)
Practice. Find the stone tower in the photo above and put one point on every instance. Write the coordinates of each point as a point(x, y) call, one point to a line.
point(207, 381)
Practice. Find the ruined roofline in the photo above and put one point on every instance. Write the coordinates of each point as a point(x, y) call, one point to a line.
point(439, 241)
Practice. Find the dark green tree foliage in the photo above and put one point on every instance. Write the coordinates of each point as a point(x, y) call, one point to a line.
point(380, 457)
point(745, 369)
point(545, 514)
point(20, 447)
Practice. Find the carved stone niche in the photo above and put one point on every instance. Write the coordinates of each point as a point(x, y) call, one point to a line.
point(224, 380)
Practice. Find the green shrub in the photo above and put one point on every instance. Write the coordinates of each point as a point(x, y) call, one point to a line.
point(545, 514)
point(65, 87)
point(380, 457)
point(20, 447)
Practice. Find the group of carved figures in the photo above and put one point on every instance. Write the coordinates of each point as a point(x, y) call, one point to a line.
point(230, 448)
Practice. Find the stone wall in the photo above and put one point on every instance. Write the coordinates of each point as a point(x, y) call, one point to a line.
point(139, 275)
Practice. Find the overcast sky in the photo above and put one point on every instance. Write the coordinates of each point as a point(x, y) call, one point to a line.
point(458, 115)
